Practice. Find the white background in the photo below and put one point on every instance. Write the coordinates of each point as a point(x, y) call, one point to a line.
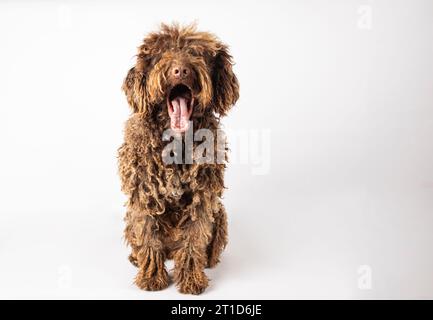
point(345, 89)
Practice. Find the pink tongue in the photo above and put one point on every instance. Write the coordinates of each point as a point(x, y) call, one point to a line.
point(180, 115)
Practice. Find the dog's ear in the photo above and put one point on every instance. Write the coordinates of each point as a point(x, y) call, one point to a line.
point(134, 84)
point(134, 88)
point(224, 81)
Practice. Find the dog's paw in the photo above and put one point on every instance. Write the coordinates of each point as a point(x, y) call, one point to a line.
point(212, 262)
point(133, 260)
point(193, 283)
point(154, 283)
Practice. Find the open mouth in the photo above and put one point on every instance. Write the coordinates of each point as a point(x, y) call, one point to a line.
point(180, 103)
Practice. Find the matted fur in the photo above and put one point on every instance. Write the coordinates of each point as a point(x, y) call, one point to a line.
point(174, 211)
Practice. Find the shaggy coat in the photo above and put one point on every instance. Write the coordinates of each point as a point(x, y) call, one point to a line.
point(175, 210)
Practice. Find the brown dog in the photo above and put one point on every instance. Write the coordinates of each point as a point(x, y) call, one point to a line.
point(182, 80)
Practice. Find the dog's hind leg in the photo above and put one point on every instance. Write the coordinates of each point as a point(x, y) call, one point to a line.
point(130, 238)
point(219, 238)
point(148, 252)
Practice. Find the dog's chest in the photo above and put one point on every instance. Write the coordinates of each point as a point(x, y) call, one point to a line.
point(176, 182)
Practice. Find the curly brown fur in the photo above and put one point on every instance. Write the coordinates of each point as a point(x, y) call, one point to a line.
point(175, 210)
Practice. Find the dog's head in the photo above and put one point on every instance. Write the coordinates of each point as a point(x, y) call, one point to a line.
point(181, 74)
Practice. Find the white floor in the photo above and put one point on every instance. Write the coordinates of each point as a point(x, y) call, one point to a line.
point(313, 246)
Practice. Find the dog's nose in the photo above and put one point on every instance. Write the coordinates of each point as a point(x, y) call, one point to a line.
point(180, 71)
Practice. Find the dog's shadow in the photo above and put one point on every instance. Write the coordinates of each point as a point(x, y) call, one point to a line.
point(241, 259)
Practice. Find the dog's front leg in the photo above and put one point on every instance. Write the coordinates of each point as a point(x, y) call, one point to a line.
point(149, 252)
point(191, 258)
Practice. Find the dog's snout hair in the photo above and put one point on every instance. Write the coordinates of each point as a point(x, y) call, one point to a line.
point(180, 70)
point(193, 72)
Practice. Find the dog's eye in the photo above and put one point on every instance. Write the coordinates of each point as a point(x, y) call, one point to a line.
point(191, 52)
point(153, 60)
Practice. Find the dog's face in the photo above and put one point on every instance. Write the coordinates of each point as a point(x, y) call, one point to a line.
point(181, 74)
